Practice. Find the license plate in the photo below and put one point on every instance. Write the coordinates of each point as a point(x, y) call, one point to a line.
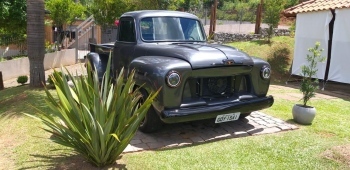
point(227, 117)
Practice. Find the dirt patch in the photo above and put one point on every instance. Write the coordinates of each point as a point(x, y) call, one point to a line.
point(339, 154)
point(326, 134)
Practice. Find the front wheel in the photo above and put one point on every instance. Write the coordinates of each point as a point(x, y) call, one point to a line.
point(151, 122)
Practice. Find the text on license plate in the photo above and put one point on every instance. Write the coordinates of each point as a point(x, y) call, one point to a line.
point(227, 117)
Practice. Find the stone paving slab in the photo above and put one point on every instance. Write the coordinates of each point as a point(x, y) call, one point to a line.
point(181, 134)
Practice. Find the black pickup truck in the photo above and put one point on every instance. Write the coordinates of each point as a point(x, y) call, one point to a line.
point(199, 80)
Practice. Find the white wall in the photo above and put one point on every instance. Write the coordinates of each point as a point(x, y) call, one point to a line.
point(59, 58)
point(18, 67)
point(14, 68)
point(311, 27)
point(339, 69)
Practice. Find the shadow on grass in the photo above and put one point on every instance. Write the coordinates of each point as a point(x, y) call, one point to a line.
point(67, 161)
point(261, 42)
point(292, 121)
point(17, 100)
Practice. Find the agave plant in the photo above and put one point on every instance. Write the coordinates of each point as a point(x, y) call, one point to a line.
point(97, 120)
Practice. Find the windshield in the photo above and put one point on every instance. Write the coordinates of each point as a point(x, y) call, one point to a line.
point(171, 29)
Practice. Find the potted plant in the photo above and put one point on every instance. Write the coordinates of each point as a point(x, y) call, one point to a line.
point(303, 113)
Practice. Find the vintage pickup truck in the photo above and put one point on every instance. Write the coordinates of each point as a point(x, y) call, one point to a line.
point(199, 80)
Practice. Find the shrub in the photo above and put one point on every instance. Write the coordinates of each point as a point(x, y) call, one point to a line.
point(96, 120)
point(279, 58)
point(49, 47)
point(308, 84)
point(22, 79)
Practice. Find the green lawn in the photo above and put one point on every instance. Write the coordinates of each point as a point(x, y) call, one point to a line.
point(298, 149)
point(24, 145)
point(260, 48)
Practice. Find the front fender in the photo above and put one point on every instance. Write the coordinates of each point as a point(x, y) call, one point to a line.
point(261, 86)
point(151, 72)
point(98, 63)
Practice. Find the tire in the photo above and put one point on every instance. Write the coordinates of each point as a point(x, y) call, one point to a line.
point(151, 122)
point(243, 115)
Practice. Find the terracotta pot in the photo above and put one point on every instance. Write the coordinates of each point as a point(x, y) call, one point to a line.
point(303, 115)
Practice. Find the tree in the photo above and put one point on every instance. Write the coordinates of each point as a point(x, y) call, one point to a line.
point(64, 12)
point(272, 12)
point(36, 41)
point(170, 5)
point(106, 12)
point(241, 8)
point(290, 3)
point(13, 16)
point(157, 4)
point(13, 22)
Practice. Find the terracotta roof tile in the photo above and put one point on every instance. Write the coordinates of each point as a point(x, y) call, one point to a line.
point(316, 5)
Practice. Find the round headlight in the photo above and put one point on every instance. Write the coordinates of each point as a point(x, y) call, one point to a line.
point(265, 72)
point(173, 79)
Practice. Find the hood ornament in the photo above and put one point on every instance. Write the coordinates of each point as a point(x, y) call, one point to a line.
point(228, 62)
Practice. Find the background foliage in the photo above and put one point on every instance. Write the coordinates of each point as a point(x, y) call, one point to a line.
point(13, 22)
point(13, 16)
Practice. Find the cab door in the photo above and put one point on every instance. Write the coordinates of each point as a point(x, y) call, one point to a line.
point(125, 45)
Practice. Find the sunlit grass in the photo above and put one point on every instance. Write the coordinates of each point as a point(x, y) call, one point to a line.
point(260, 48)
point(298, 149)
point(29, 145)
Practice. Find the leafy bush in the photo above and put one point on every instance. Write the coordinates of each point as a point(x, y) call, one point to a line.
point(22, 79)
point(279, 58)
point(97, 120)
point(49, 47)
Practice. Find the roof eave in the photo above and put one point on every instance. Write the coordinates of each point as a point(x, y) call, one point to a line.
point(290, 15)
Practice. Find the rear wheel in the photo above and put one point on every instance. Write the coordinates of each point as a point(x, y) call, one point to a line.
point(151, 122)
point(243, 115)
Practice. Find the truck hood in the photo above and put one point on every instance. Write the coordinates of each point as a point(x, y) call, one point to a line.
point(201, 55)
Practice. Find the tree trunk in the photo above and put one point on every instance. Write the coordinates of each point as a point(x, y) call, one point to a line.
point(1, 82)
point(36, 41)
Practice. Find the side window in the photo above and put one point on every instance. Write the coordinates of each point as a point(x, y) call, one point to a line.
point(127, 30)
